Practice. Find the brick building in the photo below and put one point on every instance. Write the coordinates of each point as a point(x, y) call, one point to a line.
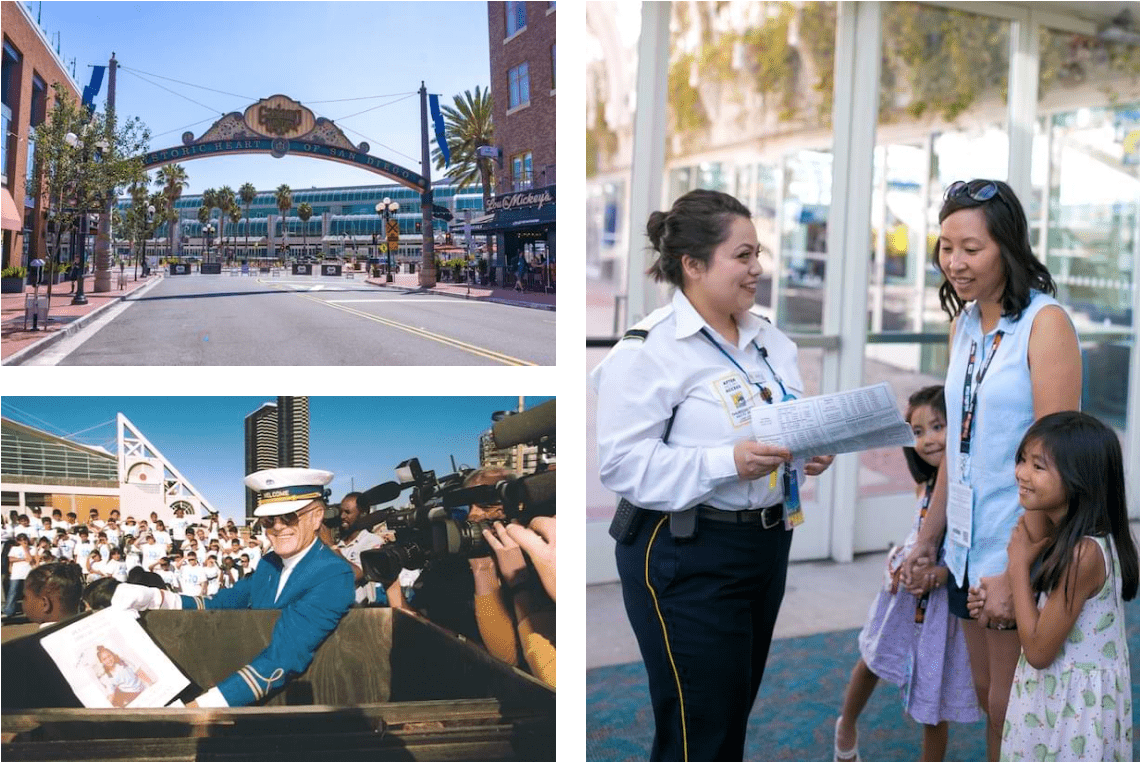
point(30, 69)
point(522, 47)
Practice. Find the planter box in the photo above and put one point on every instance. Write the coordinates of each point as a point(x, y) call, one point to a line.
point(11, 285)
point(385, 685)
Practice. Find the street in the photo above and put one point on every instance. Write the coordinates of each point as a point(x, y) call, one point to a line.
point(303, 320)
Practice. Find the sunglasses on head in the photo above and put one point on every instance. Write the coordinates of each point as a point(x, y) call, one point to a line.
point(982, 191)
point(286, 519)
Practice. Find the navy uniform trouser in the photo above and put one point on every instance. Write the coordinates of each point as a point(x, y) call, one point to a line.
point(703, 611)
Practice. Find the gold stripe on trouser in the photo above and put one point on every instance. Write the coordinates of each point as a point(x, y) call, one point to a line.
point(665, 635)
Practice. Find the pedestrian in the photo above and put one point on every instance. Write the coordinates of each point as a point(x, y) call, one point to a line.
point(73, 273)
point(1014, 355)
point(1072, 692)
point(704, 525)
point(914, 642)
point(520, 272)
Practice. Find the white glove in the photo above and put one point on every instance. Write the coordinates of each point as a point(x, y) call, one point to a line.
point(142, 598)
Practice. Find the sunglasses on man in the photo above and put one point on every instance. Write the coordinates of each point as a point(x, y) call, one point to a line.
point(287, 519)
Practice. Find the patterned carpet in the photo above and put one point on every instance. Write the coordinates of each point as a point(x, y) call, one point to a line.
point(799, 701)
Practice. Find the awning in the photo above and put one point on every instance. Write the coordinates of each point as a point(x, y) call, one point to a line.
point(516, 219)
point(12, 218)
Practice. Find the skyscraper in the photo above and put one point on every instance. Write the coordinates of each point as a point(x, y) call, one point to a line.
point(293, 432)
point(260, 446)
point(276, 436)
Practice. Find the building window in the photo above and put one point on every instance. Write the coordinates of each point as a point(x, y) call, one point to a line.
point(9, 92)
point(516, 18)
point(522, 172)
point(39, 101)
point(520, 85)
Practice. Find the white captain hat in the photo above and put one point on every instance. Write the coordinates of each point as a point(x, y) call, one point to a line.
point(284, 490)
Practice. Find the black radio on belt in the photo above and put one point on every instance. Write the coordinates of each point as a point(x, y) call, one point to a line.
point(627, 520)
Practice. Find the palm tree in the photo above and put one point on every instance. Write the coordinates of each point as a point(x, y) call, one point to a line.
point(226, 203)
point(235, 218)
point(468, 126)
point(284, 197)
point(247, 193)
point(172, 178)
point(305, 212)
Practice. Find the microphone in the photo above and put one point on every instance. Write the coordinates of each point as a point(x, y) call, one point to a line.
point(527, 426)
point(527, 491)
point(381, 493)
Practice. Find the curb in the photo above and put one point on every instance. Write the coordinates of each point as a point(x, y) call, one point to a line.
point(453, 295)
point(73, 327)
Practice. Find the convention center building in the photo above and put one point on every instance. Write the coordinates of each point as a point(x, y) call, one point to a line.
point(344, 223)
point(39, 469)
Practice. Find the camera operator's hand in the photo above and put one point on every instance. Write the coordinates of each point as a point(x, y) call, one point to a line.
point(538, 540)
point(508, 555)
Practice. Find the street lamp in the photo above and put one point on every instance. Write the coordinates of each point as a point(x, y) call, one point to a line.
point(85, 145)
point(208, 231)
point(146, 234)
point(386, 208)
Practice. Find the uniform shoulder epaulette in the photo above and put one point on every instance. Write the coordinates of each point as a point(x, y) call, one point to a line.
point(640, 330)
point(755, 310)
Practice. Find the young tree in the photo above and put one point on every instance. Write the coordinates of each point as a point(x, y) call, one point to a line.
point(81, 158)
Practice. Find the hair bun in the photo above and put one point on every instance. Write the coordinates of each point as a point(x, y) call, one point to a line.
point(655, 228)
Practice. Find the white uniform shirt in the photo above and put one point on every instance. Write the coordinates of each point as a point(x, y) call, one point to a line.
point(151, 553)
point(178, 528)
point(351, 551)
point(640, 383)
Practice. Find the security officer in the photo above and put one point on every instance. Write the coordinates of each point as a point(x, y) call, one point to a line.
point(303, 577)
point(704, 524)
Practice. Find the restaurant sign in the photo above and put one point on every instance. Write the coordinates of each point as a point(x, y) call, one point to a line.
point(532, 199)
point(279, 117)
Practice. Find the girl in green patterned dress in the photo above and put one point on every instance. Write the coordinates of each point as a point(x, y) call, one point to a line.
point(1072, 692)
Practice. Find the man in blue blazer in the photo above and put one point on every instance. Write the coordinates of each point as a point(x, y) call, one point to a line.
point(311, 585)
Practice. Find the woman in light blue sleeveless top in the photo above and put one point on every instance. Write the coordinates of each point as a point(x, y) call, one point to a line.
point(1014, 357)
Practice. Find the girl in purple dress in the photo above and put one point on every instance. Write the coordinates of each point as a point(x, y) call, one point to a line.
point(914, 642)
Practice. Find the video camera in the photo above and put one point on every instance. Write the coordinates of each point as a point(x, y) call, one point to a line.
point(425, 530)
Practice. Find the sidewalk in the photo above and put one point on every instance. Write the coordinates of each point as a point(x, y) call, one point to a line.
point(62, 314)
point(410, 282)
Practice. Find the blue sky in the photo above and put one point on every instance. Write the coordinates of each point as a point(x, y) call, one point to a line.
point(361, 439)
point(311, 51)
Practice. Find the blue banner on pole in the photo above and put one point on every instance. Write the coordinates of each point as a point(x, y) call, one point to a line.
point(440, 135)
point(93, 88)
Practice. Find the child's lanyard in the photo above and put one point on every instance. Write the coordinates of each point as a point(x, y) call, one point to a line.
point(970, 401)
point(920, 607)
point(793, 512)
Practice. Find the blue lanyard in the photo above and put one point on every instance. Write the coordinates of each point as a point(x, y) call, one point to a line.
point(764, 392)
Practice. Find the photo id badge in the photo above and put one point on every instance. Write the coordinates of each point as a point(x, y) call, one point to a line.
point(959, 513)
point(736, 398)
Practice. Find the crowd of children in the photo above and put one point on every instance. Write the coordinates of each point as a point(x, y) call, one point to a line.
point(189, 557)
point(1071, 695)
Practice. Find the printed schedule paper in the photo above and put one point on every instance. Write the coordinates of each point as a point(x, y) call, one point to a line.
point(861, 419)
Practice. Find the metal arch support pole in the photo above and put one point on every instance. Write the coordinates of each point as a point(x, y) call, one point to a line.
point(855, 110)
point(648, 162)
point(427, 267)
